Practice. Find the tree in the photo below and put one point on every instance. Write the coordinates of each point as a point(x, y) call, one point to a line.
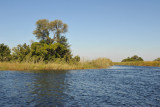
point(42, 30)
point(43, 27)
point(58, 28)
point(4, 53)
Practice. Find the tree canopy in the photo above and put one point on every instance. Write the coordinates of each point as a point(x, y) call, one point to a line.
point(42, 31)
point(58, 27)
point(44, 28)
point(133, 58)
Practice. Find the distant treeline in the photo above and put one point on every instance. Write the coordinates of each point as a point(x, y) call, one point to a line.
point(52, 45)
point(136, 58)
point(138, 61)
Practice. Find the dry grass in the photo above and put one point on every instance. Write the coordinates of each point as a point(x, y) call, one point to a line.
point(98, 63)
point(139, 63)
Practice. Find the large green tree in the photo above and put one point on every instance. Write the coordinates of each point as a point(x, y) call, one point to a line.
point(4, 53)
point(50, 47)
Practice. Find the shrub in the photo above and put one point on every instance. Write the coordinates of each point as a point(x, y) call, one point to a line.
point(5, 53)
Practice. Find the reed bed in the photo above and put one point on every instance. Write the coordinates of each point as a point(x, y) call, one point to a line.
point(139, 63)
point(94, 64)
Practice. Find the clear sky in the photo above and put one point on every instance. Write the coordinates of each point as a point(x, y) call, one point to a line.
point(114, 29)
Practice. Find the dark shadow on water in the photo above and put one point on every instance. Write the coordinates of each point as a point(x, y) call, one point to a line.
point(48, 88)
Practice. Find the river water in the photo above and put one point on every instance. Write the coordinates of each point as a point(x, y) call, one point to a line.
point(113, 87)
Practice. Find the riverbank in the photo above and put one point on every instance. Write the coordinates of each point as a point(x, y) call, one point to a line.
point(94, 64)
point(139, 63)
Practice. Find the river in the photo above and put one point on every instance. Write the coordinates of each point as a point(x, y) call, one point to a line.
point(116, 86)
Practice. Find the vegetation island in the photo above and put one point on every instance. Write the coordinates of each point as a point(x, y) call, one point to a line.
point(52, 52)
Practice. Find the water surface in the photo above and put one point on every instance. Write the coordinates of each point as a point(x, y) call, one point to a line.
point(117, 86)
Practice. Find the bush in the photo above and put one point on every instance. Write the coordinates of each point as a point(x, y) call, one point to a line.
point(5, 53)
point(133, 58)
point(21, 52)
point(101, 62)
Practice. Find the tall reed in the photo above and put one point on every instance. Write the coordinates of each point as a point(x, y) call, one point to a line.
point(139, 63)
point(94, 64)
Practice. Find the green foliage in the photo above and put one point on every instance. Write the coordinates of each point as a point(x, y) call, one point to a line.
point(42, 31)
point(56, 27)
point(50, 49)
point(4, 53)
point(39, 52)
point(133, 58)
point(63, 41)
point(77, 58)
point(21, 52)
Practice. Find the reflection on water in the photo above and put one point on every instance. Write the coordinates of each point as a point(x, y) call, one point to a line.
point(49, 87)
point(116, 86)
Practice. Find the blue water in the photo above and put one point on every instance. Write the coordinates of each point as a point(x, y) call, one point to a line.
point(126, 86)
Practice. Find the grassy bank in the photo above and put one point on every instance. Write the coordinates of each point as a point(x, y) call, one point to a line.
point(139, 63)
point(94, 64)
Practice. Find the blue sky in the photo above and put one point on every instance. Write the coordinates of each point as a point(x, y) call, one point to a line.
point(114, 29)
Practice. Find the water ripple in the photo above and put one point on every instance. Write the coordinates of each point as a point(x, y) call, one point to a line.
point(117, 86)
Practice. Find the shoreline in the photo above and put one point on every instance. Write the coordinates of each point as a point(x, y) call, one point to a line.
point(139, 63)
point(15, 66)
